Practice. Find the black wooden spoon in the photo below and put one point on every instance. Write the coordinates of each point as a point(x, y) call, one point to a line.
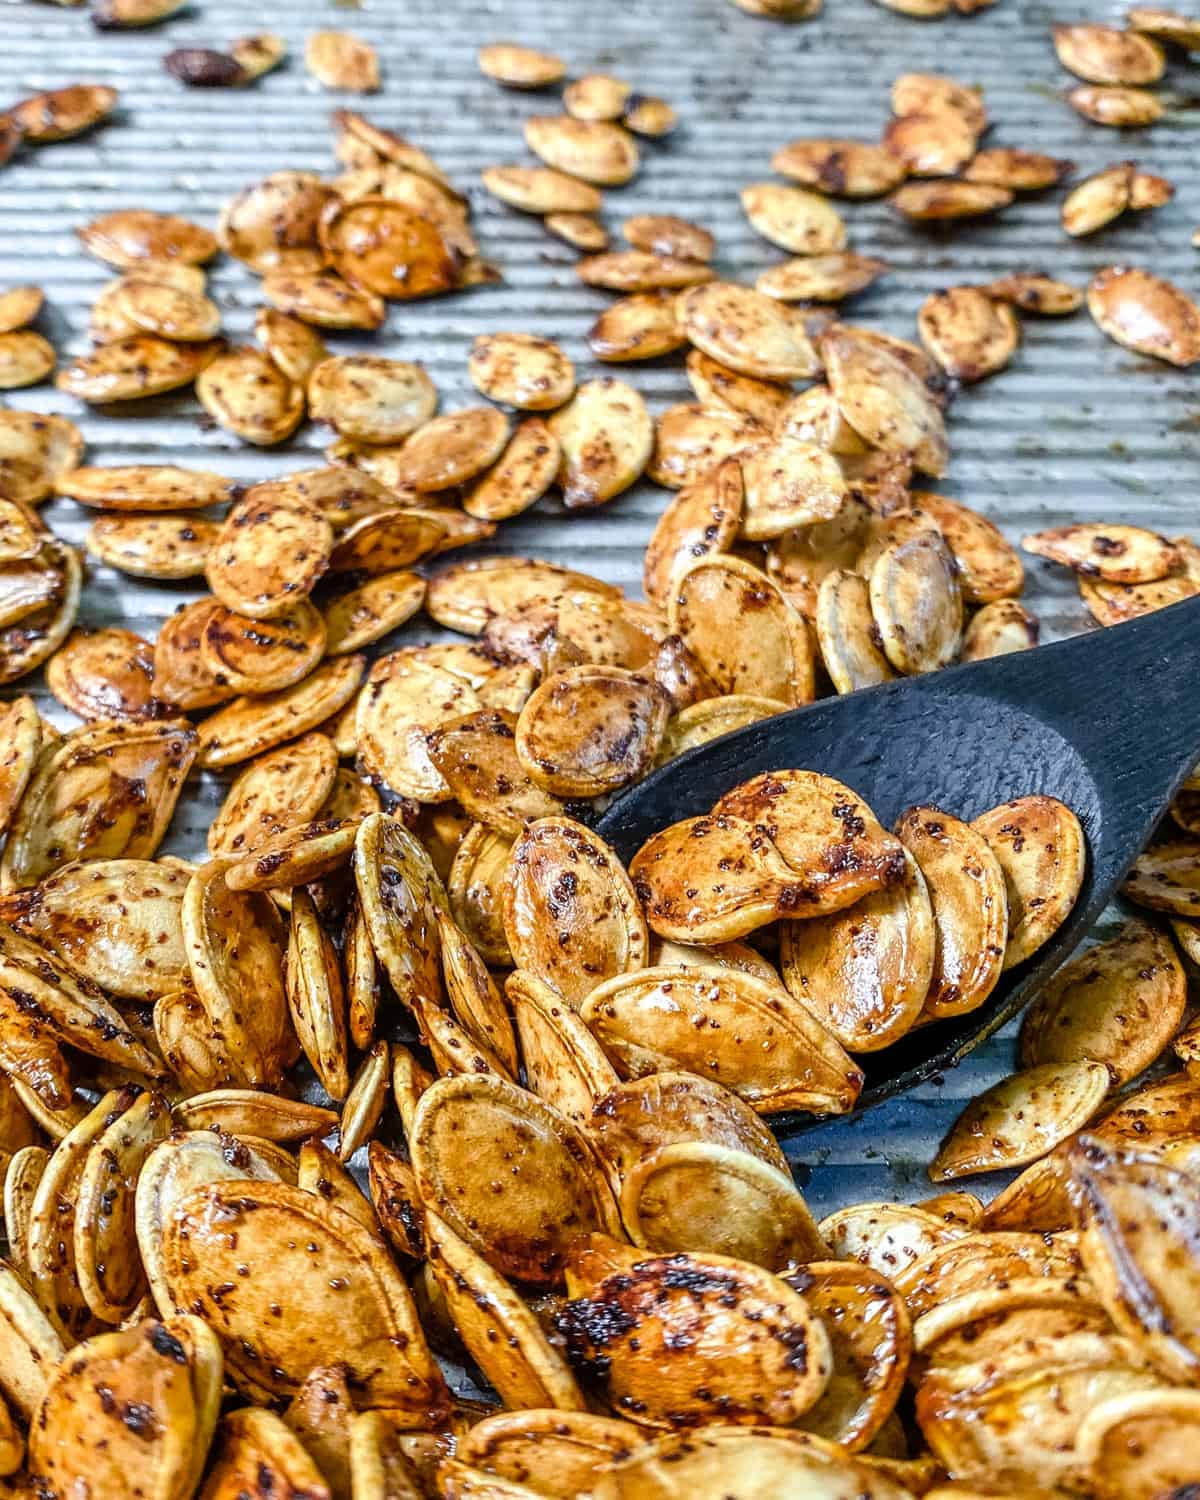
point(1108, 722)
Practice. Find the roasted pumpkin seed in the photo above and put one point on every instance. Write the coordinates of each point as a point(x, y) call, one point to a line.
point(1103, 54)
point(597, 151)
point(541, 190)
point(520, 67)
point(1146, 314)
point(271, 550)
point(606, 436)
point(130, 368)
point(153, 546)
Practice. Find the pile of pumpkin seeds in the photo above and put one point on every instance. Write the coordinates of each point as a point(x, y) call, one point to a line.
point(411, 1077)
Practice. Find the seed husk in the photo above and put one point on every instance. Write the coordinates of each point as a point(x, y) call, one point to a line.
point(597, 151)
point(1123, 108)
point(1105, 55)
point(1146, 313)
point(541, 190)
point(520, 67)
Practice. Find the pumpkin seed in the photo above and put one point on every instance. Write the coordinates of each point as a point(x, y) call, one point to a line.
point(938, 144)
point(883, 400)
point(129, 368)
point(650, 116)
point(21, 734)
point(641, 271)
point(474, 887)
point(1020, 171)
point(933, 93)
point(271, 550)
point(692, 441)
point(107, 792)
point(145, 487)
point(522, 474)
point(847, 634)
point(639, 327)
point(705, 517)
point(728, 1026)
point(1040, 846)
point(129, 236)
point(846, 169)
point(580, 230)
point(596, 96)
point(597, 151)
point(970, 334)
point(565, 1451)
point(104, 674)
point(476, 755)
point(19, 306)
point(741, 630)
point(467, 595)
point(364, 614)
point(509, 1174)
point(520, 67)
point(541, 190)
point(323, 299)
point(248, 726)
point(517, 369)
point(246, 393)
point(873, 1003)
point(1117, 554)
point(821, 278)
point(260, 656)
point(998, 629)
point(591, 729)
point(36, 449)
point(370, 399)
point(153, 546)
point(1146, 314)
point(281, 789)
point(923, 201)
point(606, 436)
point(747, 331)
point(1102, 54)
point(338, 60)
point(385, 248)
point(26, 358)
point(1166, 25)
point(649, 1375)
point(666, 236)
point(1120, 107)
point(168, 312)
point(788, 483)
point(59, 114)
point(989, 567)
point(716, 385)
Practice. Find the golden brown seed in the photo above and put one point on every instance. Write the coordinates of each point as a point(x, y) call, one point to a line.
point(606, 436)
point(649, 116)
point(917, 603)
point(272, 549)
point(248, 395)
point(747, 331)
point(1166, 25)
point(153, 546)
point(323, 299)
point(640, 271)
point(970, 334)
point(452, 449)
point(1117, 554)
point(519, 369)
point(520, 67)
point(1120, 107)
point(1146, 313)
point(338, 60)
point(1022, 171)
point(716, 385)
point(932, 145)
point(580, 230)
point(1040, 846)
point(153, 307)
point(883, 400)
point(596, 151)
point(691, 440)
point(371, 399)
point(802, 222)
point(933, 93)
point(781, 10)
point(272, 225)
point(998, 629)
point(541, 190)
point(128, 237)
point(1098, 200)
point(596, 96)
point(664, 234)
point(258, 54)
point(588, 730)
point(644, 326)
point(19, 306)
point(821, 278)
point(1102, 54)
point(291, 344)
point(388, 249)
point(135, 367)
point(705, 517)
point(521, 475)
point(849, 169)
point(949, 200)
point(26, 358)
point(60, 114)
point(1033, 292)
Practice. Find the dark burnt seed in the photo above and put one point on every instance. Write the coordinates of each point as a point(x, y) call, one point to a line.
point(204, 68)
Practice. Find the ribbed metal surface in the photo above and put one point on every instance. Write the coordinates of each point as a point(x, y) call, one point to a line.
point(1075, 428)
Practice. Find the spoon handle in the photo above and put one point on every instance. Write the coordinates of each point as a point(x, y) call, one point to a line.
point(1128, 698)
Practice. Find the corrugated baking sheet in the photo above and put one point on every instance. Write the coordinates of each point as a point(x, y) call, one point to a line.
point(1075, 428)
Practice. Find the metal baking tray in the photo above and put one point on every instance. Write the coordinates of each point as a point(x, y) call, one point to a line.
point(1075, 428)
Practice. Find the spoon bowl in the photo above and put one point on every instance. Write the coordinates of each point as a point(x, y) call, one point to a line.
point(1108, 722)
